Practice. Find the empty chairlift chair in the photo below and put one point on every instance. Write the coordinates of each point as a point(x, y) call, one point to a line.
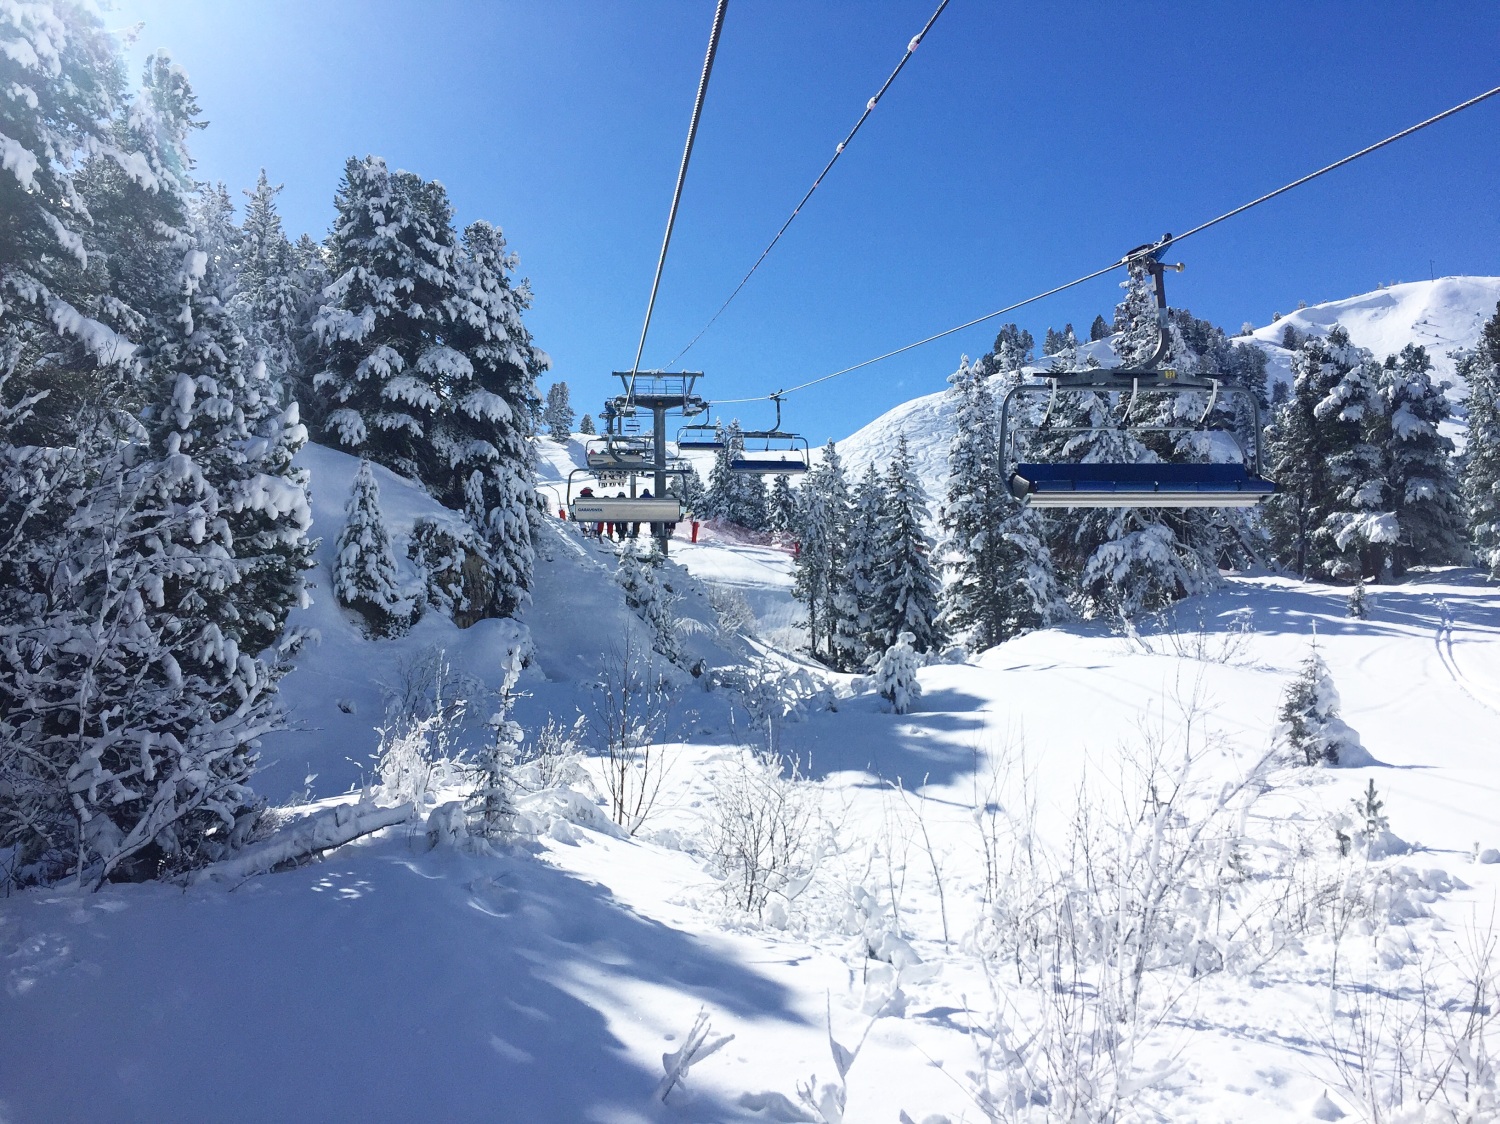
point(772, 452)
point(1063, 483)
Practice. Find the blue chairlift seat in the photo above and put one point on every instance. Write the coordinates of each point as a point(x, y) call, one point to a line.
point(1138, 485)
point(775, 462)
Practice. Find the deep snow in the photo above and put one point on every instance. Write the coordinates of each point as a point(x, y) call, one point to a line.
point(545, 982)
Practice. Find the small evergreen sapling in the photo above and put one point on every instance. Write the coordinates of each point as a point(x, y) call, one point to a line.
point(492, 803)
point(896, 675)
point(1358, 608)
point(1309, 723)
point(586, 426)
point(364, 570)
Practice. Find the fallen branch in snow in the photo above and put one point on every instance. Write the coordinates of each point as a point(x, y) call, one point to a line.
point(330, 828)
point(698, 1046)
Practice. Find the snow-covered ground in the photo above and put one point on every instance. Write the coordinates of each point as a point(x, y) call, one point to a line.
point(545, 982)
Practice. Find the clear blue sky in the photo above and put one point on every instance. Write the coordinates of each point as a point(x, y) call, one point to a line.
point(1022, 146)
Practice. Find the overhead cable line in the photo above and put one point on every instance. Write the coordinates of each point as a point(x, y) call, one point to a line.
point(687, 154)
point(837, 152)
point(1112, 266)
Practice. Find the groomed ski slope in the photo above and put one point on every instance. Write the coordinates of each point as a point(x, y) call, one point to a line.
point(545, 982)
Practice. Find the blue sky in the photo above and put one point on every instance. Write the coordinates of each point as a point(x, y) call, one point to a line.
point(1023, 146)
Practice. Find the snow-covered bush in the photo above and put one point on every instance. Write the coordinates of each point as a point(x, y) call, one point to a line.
point(759, 838)
point(640, 580)
point(731, 609)
point(896, 675)
point(364, 569)
point(549, 757)
point(1309, 726)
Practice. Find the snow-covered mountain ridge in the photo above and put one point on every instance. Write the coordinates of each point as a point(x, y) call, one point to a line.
point(1444, 316)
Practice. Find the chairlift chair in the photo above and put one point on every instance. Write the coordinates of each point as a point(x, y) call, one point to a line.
point(701, 436)
point(775, 452)
point(618, 453)
point(1071, 484)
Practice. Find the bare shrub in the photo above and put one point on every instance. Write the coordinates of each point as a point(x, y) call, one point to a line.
point(730, 607)
point(548, 758)
point(760, 832)
point(1421, 1054)
point(629, 713)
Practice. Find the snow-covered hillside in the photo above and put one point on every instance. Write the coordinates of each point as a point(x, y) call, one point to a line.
point(954, 880)
point(1442, 315)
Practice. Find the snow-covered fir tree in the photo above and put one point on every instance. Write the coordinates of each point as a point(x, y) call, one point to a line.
point(1012, 351)
point(781, 506)
point(586, 426)
point(734, 497)
point(383, 325)
point(483, 437)
point(823, 513)
point(217, 407)
point(688, 487)
point(905, 598)
point(559, 413)
point(854, 586)
point(273, 294)
point(131, 695)
point(1309, 726)
point(998, 567)
point(1358, 605)
point(896, 675)
point(1422, 488)
point(364, 567)
point(492, 803)
point(1480, 475)
point(1330, 503)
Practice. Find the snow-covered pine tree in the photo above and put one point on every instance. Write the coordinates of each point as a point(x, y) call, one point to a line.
point(1330, 486)
point(484, 438)
point(492, 803)
point(688, 487)
point(998, 567)
point(216, 407)
point(586, 426)
point(781, 506)
point(1357, 606)
point(1423, 491)
point(735, 497)
point(1099, 330)
point(559, 413)
point(907, 587)
point(1052, 342)
point(755, 502)
point(896, 675)
point(823, 511)
point(1308, 722)
point(383, 324)
point(1135, 325)
point(364, 567)
point(1012, 351)
point(1480, 479)
point(79, 186)
point(270, 302)
point(854, 594)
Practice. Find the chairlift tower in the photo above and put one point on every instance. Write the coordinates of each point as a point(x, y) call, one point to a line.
point(659, 392)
